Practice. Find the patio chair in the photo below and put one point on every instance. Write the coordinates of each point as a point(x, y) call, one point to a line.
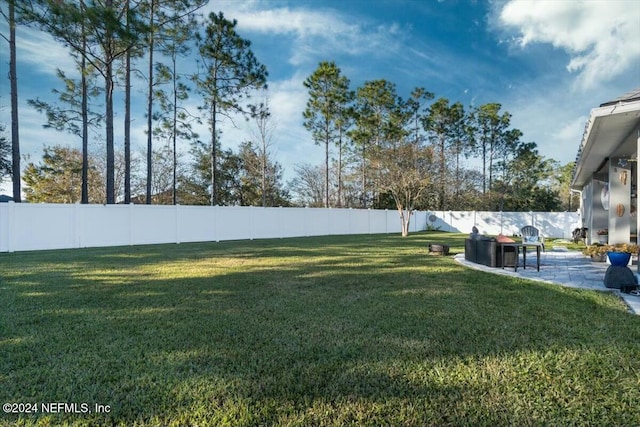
point(530, 234)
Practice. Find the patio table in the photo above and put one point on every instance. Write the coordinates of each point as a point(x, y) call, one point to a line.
point(517, 247)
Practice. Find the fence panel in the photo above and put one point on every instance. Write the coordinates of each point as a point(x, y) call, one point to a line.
point(196, 224)
point(339, 222)
point(557, 224)
point(153, 224)
point(511, 222)
point(358, 221)
point(293, 222)
point(6, 229)
point(102, 225)
point(233, 223)
point(378, 221)
point(551, 224)
point(266, 223)
point(25, 226)
point(43, 227)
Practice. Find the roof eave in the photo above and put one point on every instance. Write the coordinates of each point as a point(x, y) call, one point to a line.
point(597, 117)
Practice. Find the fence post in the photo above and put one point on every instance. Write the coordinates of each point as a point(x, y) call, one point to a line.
point(368, 220)
point(215, 222)
point(251, 223)
point(11, 214)
point(386, 221)
point(76, 225)
point(130, 210)
point(178, 239)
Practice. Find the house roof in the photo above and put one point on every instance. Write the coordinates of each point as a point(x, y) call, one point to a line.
point(634, 95)
point(4, 198)
point(610, 132)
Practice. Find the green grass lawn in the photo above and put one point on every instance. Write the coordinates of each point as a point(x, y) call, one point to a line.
point(342, 330)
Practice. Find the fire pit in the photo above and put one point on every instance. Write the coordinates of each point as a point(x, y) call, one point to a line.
point(438, 249)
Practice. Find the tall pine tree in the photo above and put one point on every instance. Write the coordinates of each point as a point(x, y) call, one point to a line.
point(326, 107)
point(230, 74)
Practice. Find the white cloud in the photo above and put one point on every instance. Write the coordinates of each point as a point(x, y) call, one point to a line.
point(288, 101)
point(33, 136)
point(568, 130)
point(315, 32)
point(304, 23)
point(40, 51)
point(552, 120)
point(292, 143)
point(601, 37)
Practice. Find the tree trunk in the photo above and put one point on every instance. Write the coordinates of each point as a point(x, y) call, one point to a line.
point(339, 203)
point(491, 150)
point(443, 174)
point(484, 168)
point(405, 219)
point(214, 193)
point(84, 199)
point(326, 174)
point(174, 134)
point(150, 106)
point(127, 131)
point(264, 173)
point(108, 93)
point(15, 137)
point(364, 178)
point(111, 199)
point(458, 180)
point(127, 121)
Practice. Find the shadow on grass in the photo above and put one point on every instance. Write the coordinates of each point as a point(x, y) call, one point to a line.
point(322, 331)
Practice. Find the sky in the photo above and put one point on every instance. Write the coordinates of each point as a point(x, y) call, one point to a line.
point(548, 63)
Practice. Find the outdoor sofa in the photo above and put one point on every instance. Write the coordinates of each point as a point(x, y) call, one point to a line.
point(488, 251)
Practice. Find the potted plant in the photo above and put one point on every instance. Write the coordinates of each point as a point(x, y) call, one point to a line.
point(602, 235)
point(620, 254)
point(597, 252)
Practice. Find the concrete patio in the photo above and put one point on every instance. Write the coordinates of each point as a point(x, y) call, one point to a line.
point(562, 267)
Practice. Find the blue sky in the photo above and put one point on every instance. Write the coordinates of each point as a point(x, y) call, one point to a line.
point(547, 62)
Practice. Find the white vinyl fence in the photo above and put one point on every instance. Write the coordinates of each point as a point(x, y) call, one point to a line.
point(25, 226)
point(551, 224)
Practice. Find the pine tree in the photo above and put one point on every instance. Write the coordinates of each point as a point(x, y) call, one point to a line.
point(324, 115)
point(375, 104)
point(176, 26)
point(230, 73)
point(56, 179)
point(10, 17)
point(73, 115)
point(5, 155)
point(100, 33)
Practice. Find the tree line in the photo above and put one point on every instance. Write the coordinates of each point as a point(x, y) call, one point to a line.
point(379, 146)
point(381, 150)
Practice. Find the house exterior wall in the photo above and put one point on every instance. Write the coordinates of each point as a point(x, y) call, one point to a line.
point(619, 218)
point(634, 190)
point(598, 212)
point(586, 210)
